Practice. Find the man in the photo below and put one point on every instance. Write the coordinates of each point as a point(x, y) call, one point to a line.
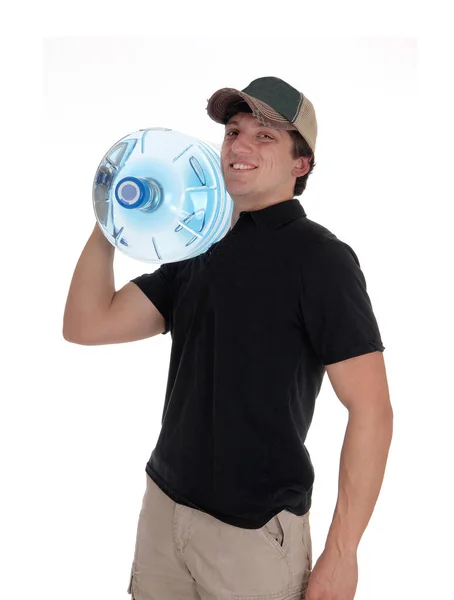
point(256, 321)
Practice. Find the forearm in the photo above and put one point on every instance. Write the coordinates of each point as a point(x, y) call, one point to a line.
point(92, 286)
point(362, 467)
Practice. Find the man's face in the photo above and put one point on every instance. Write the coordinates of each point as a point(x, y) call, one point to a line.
point(268, 150)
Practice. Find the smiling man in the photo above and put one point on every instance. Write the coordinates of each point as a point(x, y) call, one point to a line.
point(261, 166)
point(256, 322)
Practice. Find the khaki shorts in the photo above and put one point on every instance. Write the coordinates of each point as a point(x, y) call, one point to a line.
point(186, 554)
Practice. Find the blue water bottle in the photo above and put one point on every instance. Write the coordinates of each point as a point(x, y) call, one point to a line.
point(159, 196)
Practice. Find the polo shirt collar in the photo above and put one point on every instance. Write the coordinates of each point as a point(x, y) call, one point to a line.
point(275, 215)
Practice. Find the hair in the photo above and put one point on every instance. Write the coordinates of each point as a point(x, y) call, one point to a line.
point(299, 145)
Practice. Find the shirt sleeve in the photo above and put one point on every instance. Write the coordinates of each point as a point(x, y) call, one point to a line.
point(335, 306)
point(159, 288)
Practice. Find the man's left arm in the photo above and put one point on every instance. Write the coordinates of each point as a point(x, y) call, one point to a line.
point(361, 385)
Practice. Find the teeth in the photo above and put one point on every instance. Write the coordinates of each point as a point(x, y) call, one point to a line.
point(240, 166)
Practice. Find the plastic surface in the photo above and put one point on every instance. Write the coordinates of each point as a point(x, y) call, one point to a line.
point(159, 196)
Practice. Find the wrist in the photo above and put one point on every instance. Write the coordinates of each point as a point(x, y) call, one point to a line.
point(98, 234)
point(340, 540)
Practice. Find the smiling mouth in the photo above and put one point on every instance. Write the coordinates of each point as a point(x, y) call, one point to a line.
point(241, 170)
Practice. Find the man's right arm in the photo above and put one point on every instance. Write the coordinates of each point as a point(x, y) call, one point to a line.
point(97, 314)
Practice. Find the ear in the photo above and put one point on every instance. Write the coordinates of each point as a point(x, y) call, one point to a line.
point(301, 167)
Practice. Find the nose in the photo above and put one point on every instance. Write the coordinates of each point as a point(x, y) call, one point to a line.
point(242, 143)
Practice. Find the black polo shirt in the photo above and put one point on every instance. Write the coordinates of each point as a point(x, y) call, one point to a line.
point(254, 320)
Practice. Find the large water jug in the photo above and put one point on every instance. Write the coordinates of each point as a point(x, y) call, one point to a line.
point(159, 196)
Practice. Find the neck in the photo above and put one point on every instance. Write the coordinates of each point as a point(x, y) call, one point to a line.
point(251, 206)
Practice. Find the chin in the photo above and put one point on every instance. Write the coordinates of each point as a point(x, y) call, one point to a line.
point(238, 190)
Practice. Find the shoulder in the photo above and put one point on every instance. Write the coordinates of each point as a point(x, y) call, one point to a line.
point(313, 243)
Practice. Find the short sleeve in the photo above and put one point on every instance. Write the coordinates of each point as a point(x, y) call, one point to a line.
point(335, 307)
point(159, 288)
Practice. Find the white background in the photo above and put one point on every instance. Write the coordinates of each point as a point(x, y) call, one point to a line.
point(79, 423)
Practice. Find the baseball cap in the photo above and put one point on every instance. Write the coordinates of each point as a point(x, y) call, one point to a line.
point(274, 102)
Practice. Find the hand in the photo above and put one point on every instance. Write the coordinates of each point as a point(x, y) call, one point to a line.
point(334, 576)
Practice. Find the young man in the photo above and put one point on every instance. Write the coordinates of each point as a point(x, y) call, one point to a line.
point(256, 321)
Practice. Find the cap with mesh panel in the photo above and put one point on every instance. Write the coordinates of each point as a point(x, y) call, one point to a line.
point(274, 102)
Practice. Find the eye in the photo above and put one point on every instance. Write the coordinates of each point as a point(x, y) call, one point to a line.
point(233, 131)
